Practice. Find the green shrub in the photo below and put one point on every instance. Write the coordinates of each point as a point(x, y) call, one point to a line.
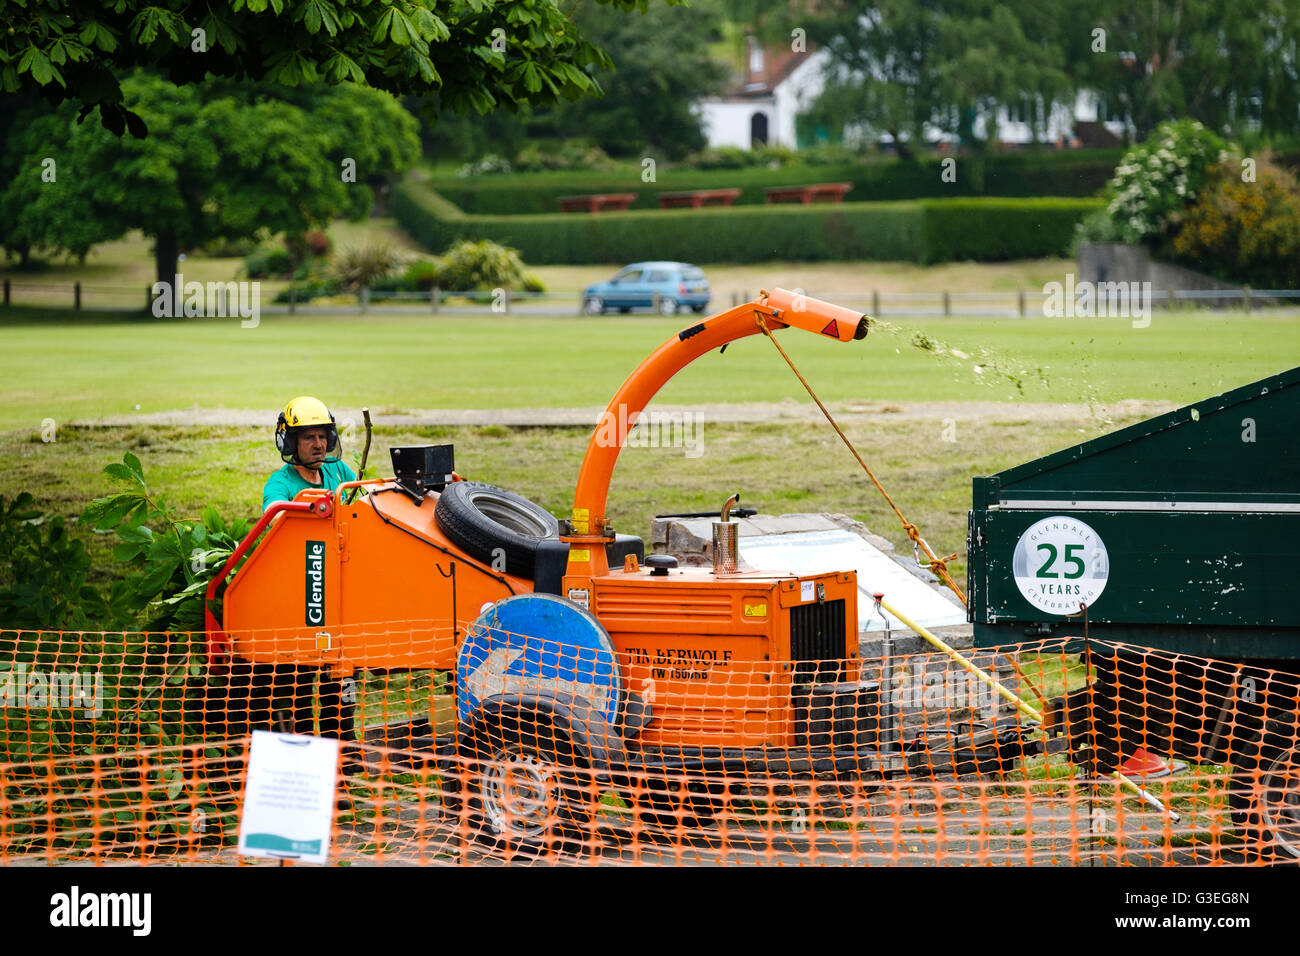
point(173, 560)
point(269, 262)
point(43, 572)
point(570, 154)
point(309, 289)
point(1156, 180)
point(722, 157)
point(481, 266)
point(424, 274)
point(1247, 232)
point(383, 288)
point(1097, 226)
point(488, 165)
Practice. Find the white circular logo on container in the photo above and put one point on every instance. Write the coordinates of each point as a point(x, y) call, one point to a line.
point(1060, 563)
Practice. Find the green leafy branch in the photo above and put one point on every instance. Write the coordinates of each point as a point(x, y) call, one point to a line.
point(173, 563)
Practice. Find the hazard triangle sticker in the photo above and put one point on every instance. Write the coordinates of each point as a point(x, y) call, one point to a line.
point(831, 329)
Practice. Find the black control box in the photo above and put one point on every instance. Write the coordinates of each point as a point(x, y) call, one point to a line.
point(423, 467)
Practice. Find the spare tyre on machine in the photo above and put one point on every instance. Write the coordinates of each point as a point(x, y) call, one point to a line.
point(490, 523)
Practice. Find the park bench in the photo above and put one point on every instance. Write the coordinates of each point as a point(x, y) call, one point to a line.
point(695, 198)
point(816, 192)
point(597, 202)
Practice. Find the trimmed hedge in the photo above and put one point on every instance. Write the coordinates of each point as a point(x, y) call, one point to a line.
point(990, 230)
point(918, 231)
point(1057, 173)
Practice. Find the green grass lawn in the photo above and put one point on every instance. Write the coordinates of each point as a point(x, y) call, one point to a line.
point(778, 468)
point(75, 367)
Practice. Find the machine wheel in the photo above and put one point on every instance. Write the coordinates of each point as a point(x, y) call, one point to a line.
point(667, 306)
point(1268, 816)
point(697, 309)
point(488, 522)
point(594, 305)
point(518, 793)
point(624, 309)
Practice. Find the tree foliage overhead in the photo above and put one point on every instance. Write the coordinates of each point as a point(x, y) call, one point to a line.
point(659, 64)
point(476, 55)
point(223, 160)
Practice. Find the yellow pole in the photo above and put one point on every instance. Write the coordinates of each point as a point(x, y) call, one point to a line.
point(956, 656)
point(990, 681)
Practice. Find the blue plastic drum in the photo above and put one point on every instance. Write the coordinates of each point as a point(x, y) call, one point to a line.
point(537, 642)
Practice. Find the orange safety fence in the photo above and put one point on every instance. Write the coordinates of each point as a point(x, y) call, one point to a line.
point(133, 747)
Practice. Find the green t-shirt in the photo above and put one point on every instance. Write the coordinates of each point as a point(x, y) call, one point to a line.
point(284, 485)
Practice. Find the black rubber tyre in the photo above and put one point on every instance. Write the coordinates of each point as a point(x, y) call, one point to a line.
point(1268, 816)
point(519, 792)
point(593, 305)
point(697, 309)
point(494, 525)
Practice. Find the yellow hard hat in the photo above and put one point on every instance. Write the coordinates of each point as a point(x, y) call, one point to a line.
point(304, 412)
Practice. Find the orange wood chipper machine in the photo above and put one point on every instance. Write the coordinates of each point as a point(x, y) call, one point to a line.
point(568, 648)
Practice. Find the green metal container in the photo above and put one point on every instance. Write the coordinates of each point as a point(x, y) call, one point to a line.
point(1178, 533)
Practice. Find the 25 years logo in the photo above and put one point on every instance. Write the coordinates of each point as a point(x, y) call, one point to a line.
point(1060, 563)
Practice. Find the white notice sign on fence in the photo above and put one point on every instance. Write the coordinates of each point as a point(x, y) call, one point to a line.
point(289, 800)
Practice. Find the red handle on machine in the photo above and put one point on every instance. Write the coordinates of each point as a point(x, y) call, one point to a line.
point(218, 645)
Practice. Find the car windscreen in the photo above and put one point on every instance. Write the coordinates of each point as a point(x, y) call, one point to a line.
point(693, 274)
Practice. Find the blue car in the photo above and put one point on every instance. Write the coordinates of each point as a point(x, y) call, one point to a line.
point(678, 284)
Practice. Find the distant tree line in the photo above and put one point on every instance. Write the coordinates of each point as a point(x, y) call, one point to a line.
point(903, 64)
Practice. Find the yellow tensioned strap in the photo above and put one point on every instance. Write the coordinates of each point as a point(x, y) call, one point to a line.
point(937, 564)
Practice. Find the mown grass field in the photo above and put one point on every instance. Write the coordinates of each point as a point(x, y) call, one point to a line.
point(778, 468)
point(66, 368)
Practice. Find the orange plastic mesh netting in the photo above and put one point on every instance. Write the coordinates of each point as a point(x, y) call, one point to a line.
point(133, 747)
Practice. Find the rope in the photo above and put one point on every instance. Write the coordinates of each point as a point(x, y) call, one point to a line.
point(938, 565)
